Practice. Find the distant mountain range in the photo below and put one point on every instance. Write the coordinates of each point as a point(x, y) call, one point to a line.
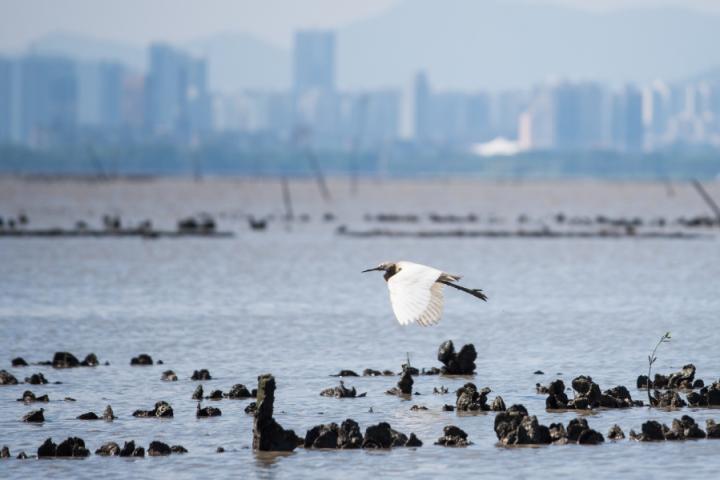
point(466, 44)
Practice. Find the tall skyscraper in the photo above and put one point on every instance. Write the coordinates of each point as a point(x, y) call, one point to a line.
point(177, 100)
point(48, 100)
point(627, 120)
point(100, 94)
point(314, 61)
point(422, 107)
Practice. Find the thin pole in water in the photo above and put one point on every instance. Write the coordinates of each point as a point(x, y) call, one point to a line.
point(707, 198)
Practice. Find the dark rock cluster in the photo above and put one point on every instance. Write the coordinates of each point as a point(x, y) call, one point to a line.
point(169, 376)
point(470, 399)
point(369, 372)
point(453, 437)
point(457, 363)
point(7, 378)
point(683, 380)
point(239, 390)
point(345, 436)
point(155, 449)
point(71, 447)
point(516, 427)
point(404, 385)
point(706, 397)
point(68, 360)
point(207, 411)
point(161, 410)
point(684, 428)
point(18, 362)
point(29, 397)
point(268, 435)
point(142, 359)
point(202, 374)
point(587, 396)
point(34, 416)
point(341, 391)
point(36, 379)
point(383, 436)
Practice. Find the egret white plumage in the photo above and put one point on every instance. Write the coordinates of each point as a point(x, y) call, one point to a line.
point(416, 291)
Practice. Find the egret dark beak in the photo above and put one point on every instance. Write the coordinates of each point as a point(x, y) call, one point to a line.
point(371, 270)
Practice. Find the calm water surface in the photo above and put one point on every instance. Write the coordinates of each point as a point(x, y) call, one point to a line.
point(294, 303)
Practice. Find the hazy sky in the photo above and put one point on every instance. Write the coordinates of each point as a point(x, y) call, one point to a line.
point(139, 22)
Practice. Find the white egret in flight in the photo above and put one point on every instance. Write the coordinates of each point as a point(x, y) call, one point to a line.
point(416, 291)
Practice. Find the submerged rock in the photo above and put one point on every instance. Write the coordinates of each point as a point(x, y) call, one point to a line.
point(442, 390)
point(615, 433)
point(7, 378)
point(515, 427)
point(453, 437)
point(215, 395)
point(169, 376)
point(668, 399)
point(22, 456)
point(71, 447)
point(369, 372)
point(404, 385)
point(65, 360)
point(19, 362)
point(178, 449)
point(469, 399)
point(34, 416)
point(198, 393)
point(5, 452)
point(708, 396)
point(460, 363)
point(88, 416)
point(207, 411)
point(90, 360)
point(383, 436)
point(108, 414)
point(129, 450)
point(239, 391)
point(713, 429)
point(341, 391)
point(268, 435)
point(110, 449)
point(684, 380)
point(157, 449)
point(331, 436)
point(652, 431)
point(29, 397)
point(36, 379)
point(47, 449)
point(199, 375)
point(162, 410)
point(142, 359)
point(345, 373)
point(588, 395)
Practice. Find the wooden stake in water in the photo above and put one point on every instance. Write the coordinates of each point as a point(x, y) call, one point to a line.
point(707, 198)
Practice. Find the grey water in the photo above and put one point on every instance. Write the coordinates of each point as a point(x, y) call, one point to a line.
point(291, 301)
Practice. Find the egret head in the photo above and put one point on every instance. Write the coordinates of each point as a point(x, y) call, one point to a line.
point(383, 267)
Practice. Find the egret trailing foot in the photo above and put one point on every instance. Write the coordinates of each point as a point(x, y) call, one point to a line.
point(416, 291)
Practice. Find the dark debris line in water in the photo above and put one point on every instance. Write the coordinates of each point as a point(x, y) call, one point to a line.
point(513, 426)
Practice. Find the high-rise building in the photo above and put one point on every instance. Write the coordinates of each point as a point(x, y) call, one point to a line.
point(627, 120)
point(9, 85)
point(177, 100)
point(48, 100)
point(314, 61)
point(422, 108)
point(100, 94)
point(578, 116)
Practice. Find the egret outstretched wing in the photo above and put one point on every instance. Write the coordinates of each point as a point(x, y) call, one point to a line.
point(415, 294)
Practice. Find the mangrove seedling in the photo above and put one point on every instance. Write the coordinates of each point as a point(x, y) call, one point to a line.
point(651, 359)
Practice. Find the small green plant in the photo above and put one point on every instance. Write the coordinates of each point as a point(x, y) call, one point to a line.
point(651, 359)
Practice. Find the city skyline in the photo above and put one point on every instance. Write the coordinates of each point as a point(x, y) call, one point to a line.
point(55, 100)
point(493, 45)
